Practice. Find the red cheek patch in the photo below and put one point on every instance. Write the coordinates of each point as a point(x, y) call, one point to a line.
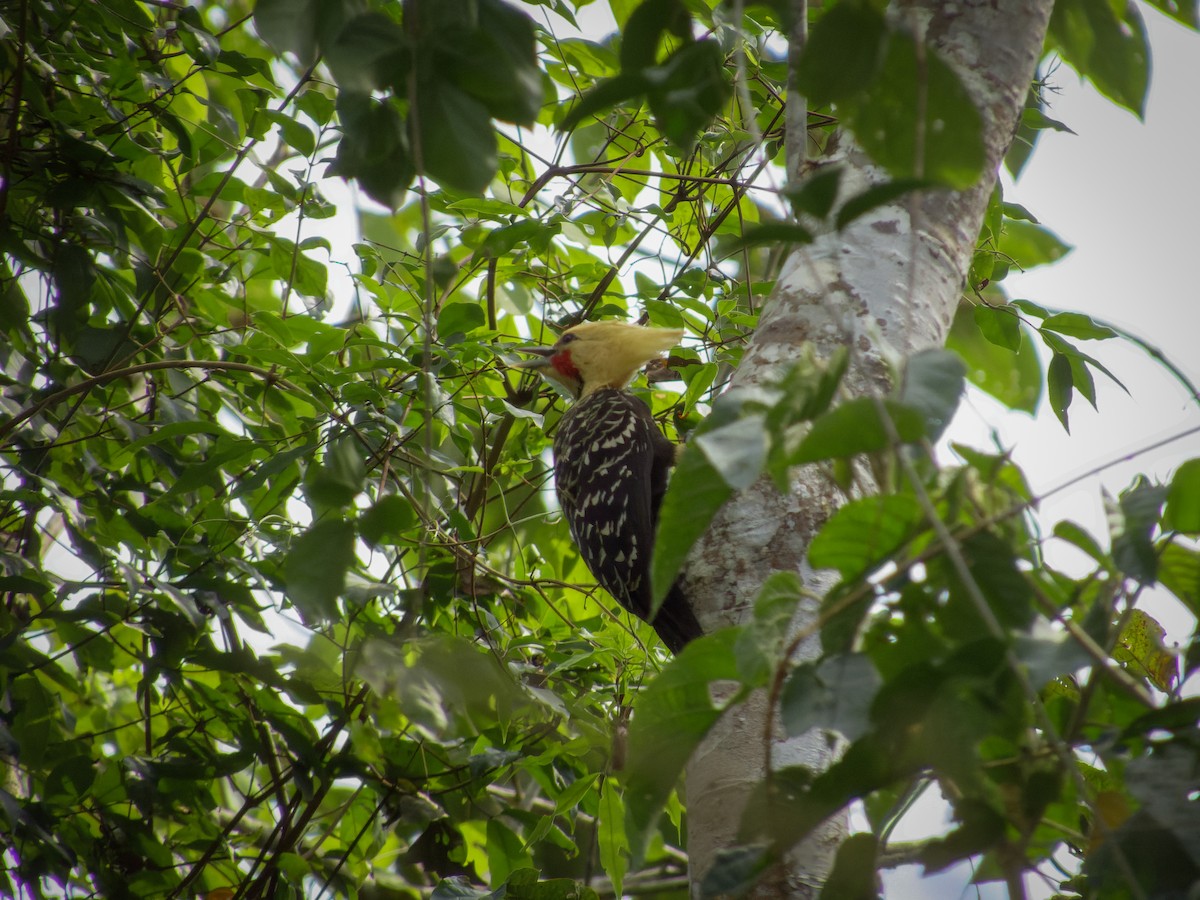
point(562, 364)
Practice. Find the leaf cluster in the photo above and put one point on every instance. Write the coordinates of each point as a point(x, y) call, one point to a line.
point(286, 605)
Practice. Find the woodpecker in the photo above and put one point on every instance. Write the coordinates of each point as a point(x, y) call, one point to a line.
point(611, 463)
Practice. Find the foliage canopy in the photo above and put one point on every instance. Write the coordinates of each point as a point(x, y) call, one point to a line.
point(287, 607)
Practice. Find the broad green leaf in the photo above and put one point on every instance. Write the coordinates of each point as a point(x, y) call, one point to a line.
point(735, 870)
point(736, 451)
point(1105, 43)
point(980, 828)
point(817, 193)
point(687, 91)
point(605, 95)
point(1047, 658)
point(496, 63)
point(1000, 325)
point(885, 194)
point(374, 148)
point(1079, 326)
point(671, 716)
point(315, 569)
point(303, 27)
point(338, 479)
point(1132, 521)
point(854, 875)
point(993, 571)
point(1140, 650)
point(865, 532)
point(696, 492)
point(1075, 534)
point(387, 520)
point(760, 647)
point(370, 53)
point(1060, 387)
point(933, 385)
point(458, 319)
point(904, 100)
point(642, 34)
point(1183, 499)
point(614, 846)
point(843, 55)
point(855, 427)
point(773, 233)
point(835, 695)
point(1015, 379)
point(1028, 245)
point(454, 136)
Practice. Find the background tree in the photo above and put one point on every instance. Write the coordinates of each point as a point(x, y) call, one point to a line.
point(287, 606)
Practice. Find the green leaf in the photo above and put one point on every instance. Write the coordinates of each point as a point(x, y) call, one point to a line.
point(1107, 44)
point(864, 533)
point(771, 233)
point(695, 494)
point(1079, 326)
point(835, 695)
point(1078, 536)
point(387, 521)
point(1183, 499)
point(370, 53)
point(645, 29)
point(735, 870)
point(496, 63)
point(933, 384)
point(854, 875)
point(879, 195)
point(445, 685)
point(1141, 651)
point(454, 134)
point(1048, 658)
point(459, 319)
point(1013, 379)
point(605, 95)
point(302, 27)
point(339, 478)
point(315, 567)
point(687, 91)
point(614, 846)
point(1132, 522)
point(1029, 245)
point(1060, 385)
point(374, 148)
point(904, 100)
point(505, 850)
point(993, 570)
point(672, 714)
point(817, 193)
point(1001, 326)
point(855, 427)
point(737, 451)
point(981, 828)
point(843, 55)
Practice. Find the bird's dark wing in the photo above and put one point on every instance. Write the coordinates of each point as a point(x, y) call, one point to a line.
point(611, 465)
point(603, 461)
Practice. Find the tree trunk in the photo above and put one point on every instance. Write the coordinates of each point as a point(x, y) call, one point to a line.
point(885, 286)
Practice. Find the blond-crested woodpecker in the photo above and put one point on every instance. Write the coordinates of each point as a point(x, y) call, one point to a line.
point(611, 463)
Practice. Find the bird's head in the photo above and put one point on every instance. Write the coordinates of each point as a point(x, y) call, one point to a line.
point(597, 355)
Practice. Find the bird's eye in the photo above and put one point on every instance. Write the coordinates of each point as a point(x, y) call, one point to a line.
point(567, 338)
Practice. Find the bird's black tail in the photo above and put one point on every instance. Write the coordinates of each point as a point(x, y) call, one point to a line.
point(676, 623)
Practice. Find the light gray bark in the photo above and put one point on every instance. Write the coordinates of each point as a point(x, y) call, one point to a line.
point(886, 286)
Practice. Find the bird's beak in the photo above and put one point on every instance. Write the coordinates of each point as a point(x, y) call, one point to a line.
point(541, 358)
